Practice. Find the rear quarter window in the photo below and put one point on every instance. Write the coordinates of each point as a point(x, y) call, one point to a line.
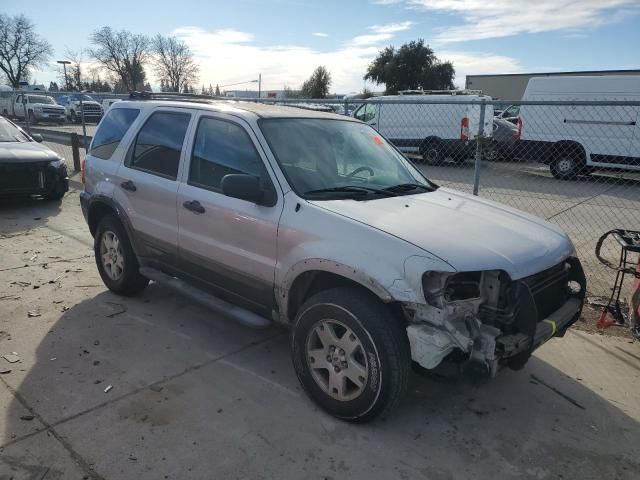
point(112, 129)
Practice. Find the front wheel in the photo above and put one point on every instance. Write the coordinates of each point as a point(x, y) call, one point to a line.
point(32, 118)
point(350, 354)
point(115, 258)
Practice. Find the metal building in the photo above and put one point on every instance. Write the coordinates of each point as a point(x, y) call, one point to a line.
point(511, 86)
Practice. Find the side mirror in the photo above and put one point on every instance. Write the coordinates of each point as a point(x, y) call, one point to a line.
point(37, 137)
point(244, 187)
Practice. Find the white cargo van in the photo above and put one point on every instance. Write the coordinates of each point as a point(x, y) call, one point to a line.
point(436, 131)
point(573, 139)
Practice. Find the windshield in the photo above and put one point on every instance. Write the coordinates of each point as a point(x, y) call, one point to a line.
point(85, 98)
point(325, 159)
point(40, 99)
point(10, 133)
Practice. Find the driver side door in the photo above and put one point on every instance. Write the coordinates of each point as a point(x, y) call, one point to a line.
point(227, 243)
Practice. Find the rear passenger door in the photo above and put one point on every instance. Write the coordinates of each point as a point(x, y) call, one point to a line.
point(227, 243)
point(146, 183)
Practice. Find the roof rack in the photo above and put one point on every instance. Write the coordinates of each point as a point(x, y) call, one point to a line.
point(441, 92)
point(175, 96)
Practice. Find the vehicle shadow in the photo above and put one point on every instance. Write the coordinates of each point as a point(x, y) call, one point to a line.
point(25, 213)
point(171, 366)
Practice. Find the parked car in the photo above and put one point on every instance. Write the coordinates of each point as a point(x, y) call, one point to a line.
point(37, 108)
point(575, 140)
point(436, 131)
point(27, 167)
point(107, 102)
point(504, 141)
point(509, 114)
point(92, 110)
point(314, 220)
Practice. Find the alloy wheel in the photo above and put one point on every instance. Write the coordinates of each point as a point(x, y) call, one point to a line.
point(337, 360)
point(112, 255)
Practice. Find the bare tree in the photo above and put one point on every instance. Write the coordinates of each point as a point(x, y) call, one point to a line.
point(123, 54)
point(174, 63)
point(21, 48)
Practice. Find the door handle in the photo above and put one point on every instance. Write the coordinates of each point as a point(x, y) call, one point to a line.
point(193, 206)
point(129, 185)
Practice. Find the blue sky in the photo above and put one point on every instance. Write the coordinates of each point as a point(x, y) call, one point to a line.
point(286, 39)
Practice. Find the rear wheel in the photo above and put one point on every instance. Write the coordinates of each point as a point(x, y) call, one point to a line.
point(115, 258)
point(432, 153)
point(350, 354)
point(565, 167)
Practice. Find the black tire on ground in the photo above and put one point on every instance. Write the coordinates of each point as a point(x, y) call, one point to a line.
point(129, 282)
point(432, 153)
point(74, 117)
point(32, 118)
point(567, 164)
point(379, 364)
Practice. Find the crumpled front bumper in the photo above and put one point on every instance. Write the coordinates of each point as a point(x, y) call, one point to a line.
point(431, 344)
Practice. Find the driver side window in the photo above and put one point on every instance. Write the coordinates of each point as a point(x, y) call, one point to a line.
point(221, 148)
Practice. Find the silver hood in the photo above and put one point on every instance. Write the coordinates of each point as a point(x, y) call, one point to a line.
point(468, 232)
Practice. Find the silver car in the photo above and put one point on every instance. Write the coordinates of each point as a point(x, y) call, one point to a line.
point(315, 221)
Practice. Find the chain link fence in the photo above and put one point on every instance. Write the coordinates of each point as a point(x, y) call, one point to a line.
point(575, 164)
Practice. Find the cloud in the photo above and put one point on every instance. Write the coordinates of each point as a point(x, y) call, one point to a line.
point(502, 18)
point(380, 33)
point(229, 56)
point(320, 34)
point(392, 27)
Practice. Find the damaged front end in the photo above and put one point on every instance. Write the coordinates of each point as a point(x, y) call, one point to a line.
point(489, 319)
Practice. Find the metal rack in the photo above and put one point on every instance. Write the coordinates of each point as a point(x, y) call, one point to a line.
point(629, 242)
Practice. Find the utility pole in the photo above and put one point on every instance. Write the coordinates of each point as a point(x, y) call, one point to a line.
point(64, 64)
point(259, 85)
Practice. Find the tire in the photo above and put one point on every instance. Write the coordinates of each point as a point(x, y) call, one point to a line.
point(372, 379)
point(74, 117)
point(122, 276)
point(492, 154)
point(432, 154)
point(32, 118)
point(567, 165)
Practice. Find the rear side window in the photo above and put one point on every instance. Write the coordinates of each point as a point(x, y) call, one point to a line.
point(112, 128)
point(222, 148)
point(159, 143)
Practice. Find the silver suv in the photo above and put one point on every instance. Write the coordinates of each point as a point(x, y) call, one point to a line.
point(315, 221)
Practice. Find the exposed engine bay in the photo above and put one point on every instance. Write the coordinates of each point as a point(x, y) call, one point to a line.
point(489, 319)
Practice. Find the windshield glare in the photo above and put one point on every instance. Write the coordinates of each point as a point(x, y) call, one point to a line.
point(319, 154)
point(10, 133)
point(40, 99)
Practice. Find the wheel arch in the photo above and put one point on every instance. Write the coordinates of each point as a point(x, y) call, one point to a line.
point(569, 147)
point(316, 275)
point(430, 140)
point(101, 206)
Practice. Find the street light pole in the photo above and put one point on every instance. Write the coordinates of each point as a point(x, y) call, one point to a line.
point(64, 64)
point(259, 85)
